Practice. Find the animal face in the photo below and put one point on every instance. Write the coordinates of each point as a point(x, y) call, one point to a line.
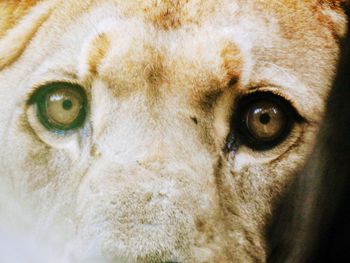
point(150, 131)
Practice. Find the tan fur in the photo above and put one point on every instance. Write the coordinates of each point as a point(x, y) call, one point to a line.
point(99, 48)
point(12, 11)
point(146, 178)
point(14, 41)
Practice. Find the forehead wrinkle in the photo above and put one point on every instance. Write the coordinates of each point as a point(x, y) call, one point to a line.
point(12, 11)
point(223, 70)
point(97, 50)
point(222, 73)
point(13, 45)
point(232, 62)
point(134, 63)
point(154, 62)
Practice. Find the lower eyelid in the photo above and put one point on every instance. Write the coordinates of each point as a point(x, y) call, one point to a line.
point(272, 156)
point(295, 144)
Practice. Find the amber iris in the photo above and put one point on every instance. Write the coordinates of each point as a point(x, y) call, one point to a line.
point(263, 120)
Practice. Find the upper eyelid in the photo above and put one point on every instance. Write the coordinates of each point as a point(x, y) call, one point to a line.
point(37, 88)
point(275, 90)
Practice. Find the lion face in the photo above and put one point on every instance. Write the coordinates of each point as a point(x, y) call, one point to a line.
point(160, 130)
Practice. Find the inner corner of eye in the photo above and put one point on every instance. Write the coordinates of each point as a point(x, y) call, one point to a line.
point(33, 98)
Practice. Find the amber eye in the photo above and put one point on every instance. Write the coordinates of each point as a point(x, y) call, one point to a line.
point(264, 120)
point(61, 106)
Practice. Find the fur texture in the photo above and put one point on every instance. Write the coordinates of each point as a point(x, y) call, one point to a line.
point(145, 179)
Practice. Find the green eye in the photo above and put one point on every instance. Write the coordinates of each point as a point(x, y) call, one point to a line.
point(61, 107)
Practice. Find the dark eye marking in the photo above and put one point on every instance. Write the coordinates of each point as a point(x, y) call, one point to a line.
point(195, 120)
point(209, 98)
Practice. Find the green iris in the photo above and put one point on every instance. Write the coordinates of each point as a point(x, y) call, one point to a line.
point(61, 106)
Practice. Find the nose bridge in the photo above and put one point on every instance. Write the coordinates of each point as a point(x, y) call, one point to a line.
point(134, 129)
point(142, 202)
point(156, 136)
point(156, 166)
point(152, 157)
point(139, 136)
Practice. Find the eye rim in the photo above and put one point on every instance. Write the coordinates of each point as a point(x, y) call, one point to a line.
point(240, 128)
point(39, 100)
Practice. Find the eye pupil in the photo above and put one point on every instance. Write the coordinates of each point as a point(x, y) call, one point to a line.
point(265, 118)
point(67, 104)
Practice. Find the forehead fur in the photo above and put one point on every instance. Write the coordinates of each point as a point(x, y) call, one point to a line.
point(173, 14)
point(296, 18)
point(168, 14)
point(303, 17)
point(335, 3)
point(11, 11)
